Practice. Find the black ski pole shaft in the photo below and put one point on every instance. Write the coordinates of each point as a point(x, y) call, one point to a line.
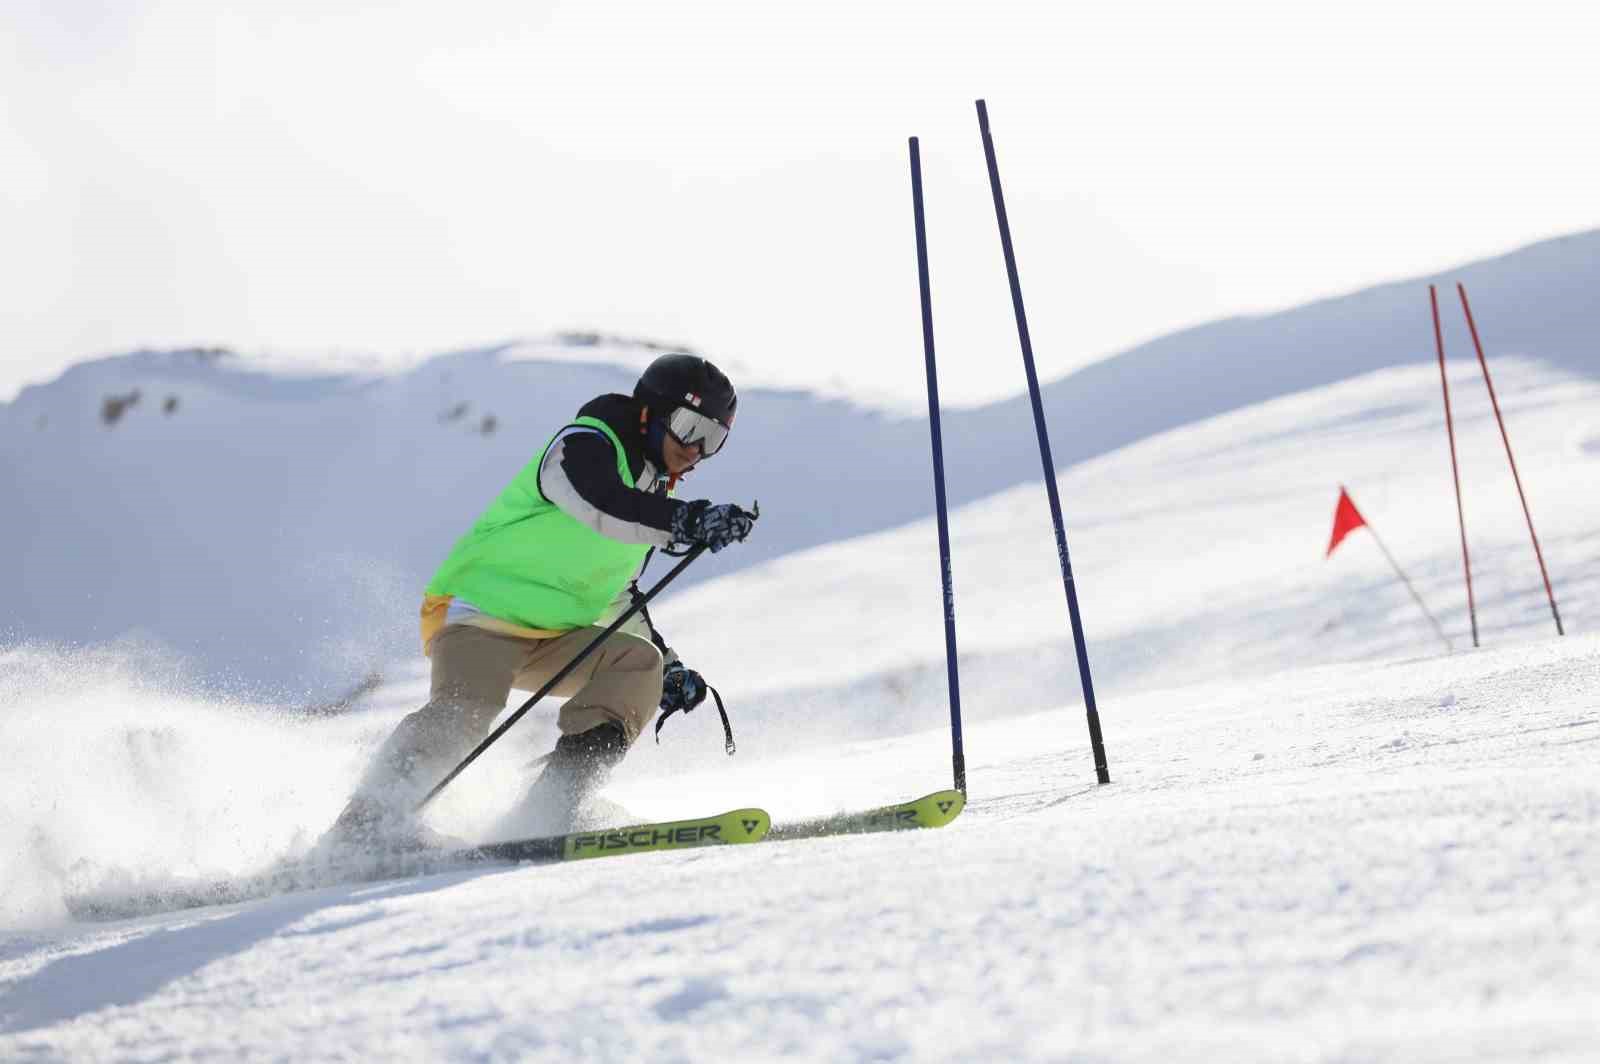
point(1095, 740)
point(566, 670)
point(958, 757)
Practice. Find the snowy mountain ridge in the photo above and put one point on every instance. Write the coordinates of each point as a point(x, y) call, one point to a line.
point(309, 503)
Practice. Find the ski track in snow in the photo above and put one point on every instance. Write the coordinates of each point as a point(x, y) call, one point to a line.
point(1390, 862)
point(1326, 840)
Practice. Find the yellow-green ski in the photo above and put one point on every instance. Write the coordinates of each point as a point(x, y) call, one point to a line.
point(739, 826)
point(930, 811)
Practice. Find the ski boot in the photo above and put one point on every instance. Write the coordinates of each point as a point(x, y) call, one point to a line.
point(371, 825)
point(577, 768)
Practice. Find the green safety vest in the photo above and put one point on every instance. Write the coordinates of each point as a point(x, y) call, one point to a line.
point(529, 562)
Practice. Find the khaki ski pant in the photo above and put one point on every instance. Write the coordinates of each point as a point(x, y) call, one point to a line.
point(475, 670)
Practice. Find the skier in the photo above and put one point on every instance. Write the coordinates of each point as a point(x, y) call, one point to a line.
point(558, 552)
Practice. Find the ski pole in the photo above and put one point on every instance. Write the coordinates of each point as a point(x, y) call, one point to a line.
point(566, 670)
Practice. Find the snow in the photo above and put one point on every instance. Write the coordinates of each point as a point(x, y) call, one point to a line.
point(1330, 864)
point(1326, 838)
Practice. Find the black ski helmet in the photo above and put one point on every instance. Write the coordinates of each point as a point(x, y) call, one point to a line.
point(678, 380)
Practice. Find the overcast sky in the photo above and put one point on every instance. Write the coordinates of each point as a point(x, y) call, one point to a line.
point(303, 177)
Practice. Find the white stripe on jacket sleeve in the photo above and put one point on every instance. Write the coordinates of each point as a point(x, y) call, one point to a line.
point(555, 486)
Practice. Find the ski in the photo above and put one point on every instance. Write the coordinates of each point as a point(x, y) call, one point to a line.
point(731, 828)
point(930, 811)
point(736, 827)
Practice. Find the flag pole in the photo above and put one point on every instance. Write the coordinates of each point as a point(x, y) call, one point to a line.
point(1455, 472)
point(1347, 517)
point(1401, 573)
point(1537, 553)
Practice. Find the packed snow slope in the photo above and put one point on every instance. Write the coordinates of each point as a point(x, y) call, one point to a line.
point(275, 525)
point(1327, 838)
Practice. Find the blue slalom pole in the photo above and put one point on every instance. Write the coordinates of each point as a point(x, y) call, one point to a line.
point(958, 757)
point(1095, 740)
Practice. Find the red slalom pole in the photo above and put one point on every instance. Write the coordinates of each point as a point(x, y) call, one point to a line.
point(1483, 363)
point(1455, 472)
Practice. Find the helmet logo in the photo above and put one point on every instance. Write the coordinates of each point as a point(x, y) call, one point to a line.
point(691, 398)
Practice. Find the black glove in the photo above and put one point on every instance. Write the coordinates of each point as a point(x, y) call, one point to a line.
point(681, 688)
point(715, 526)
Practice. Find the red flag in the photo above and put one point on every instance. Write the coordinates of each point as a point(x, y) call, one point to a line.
point(1346, 519)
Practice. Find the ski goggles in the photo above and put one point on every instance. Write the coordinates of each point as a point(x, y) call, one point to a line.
point(693, 429)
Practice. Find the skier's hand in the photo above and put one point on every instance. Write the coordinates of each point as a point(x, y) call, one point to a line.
point(681, 688)
point(715, 526)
